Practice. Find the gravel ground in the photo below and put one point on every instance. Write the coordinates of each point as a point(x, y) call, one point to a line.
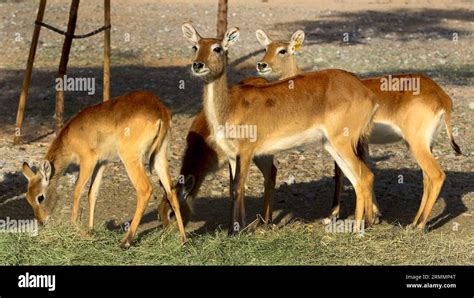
point(148, 52)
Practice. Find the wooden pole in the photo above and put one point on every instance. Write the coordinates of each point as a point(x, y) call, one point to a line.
point(27, 76)
point(71, 28)
point(221, 18)
point(106, 87)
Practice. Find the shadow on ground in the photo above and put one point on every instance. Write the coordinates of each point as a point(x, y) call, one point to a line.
point(311, 202)
point(400, 24)
point(308, 202)
point(13, 203)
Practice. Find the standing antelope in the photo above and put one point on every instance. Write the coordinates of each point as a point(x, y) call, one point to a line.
point(314, 107)
point(202, 156)
point(134, 127)
point(412, 116)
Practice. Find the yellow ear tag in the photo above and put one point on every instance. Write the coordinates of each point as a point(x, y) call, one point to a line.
point(297, 47)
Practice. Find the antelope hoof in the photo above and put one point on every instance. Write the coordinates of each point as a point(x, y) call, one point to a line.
point(359, 229)
point(125, 245)
point(126, 242)
point(377, 219)
point(422, 227)
point(264, 222)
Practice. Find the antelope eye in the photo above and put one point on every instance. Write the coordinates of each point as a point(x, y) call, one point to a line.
point(217, 49)
point(283, 52)
point(40, 199)
point(195, 48)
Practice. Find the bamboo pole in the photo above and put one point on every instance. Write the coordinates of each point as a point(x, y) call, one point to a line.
point(71, 28)
point(106, 81)
point(27, 76)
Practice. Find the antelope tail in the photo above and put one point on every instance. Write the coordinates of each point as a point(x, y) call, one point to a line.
point(361, 145)
point(449, 130)
point(157, 143)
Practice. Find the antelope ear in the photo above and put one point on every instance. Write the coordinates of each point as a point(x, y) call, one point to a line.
point(296, 41)
point(45, 170)
point(263, 38)
point(230, 37)
point(189, 183)
point(27, 171)
point(190, 32)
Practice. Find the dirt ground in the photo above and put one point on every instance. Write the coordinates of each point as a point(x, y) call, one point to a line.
point(149, 52)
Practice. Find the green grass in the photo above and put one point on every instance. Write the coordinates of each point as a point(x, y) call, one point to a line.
point(294, 244)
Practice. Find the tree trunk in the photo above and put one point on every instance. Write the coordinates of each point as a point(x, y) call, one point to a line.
point(27, 76)
point(221, 18)
point(71, 28)
point(106, 87)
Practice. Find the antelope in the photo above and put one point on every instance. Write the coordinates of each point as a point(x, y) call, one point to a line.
point(312, 107)
point(402, 115)
point(279, 62)
point(202, 156)
point(134, 127)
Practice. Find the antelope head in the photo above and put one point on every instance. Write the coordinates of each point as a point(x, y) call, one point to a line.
point(38, 184)
point(210, 54)
point(279, 61)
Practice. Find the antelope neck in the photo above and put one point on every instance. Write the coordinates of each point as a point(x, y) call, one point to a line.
point(60, 158)
point(295, 70)
point(216, 101)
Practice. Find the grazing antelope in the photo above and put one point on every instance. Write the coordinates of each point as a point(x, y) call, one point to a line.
point(313, 107)
point(134, 127)
point(405, 114)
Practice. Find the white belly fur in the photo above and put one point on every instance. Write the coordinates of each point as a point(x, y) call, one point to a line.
point(308, 136)
point(385, 133)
